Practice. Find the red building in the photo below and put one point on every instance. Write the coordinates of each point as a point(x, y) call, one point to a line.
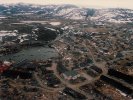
point(4, 66)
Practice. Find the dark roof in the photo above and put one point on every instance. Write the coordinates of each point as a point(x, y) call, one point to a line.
point(71, 73)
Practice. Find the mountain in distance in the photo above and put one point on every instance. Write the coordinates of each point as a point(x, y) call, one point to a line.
point(72, 12)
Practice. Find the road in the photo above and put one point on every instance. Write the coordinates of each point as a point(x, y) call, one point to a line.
point(67, 84)
point(48, 89)
point(88, 78)
point(101, 65)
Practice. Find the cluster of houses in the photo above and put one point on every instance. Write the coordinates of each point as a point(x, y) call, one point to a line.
point(21, 69)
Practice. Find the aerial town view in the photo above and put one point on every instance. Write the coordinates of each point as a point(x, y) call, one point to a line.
point(62, 50)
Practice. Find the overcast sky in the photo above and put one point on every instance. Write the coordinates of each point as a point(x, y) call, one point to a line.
point(86, 3)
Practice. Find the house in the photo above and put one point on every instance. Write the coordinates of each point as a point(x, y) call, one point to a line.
point(61, 68)
point(129, 67)
point(15, 74)
point(71, 75)
point(130, 70)
point(74, 94)
point(25, 65)
point(119, 55)
point(4, 66)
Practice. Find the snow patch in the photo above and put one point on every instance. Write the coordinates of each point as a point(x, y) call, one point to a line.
point(55, 23)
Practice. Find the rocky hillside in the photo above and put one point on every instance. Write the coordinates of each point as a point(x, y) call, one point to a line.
point(70, 12)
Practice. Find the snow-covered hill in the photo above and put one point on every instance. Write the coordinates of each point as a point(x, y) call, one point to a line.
point(113, 15)
point(71, 12)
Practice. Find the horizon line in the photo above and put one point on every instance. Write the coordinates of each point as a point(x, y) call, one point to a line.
point(85, 6)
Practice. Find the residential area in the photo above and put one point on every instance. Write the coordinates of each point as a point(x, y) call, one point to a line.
point(49, 57)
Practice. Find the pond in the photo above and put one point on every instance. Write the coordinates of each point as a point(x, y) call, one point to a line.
point(34, 53)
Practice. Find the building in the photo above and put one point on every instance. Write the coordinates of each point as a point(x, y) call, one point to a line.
point(4, 66)
point(71, 75)
point(130, 71)
point(129, 67)
point(25, 65)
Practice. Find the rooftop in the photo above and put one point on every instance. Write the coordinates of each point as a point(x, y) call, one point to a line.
point(71, 73)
